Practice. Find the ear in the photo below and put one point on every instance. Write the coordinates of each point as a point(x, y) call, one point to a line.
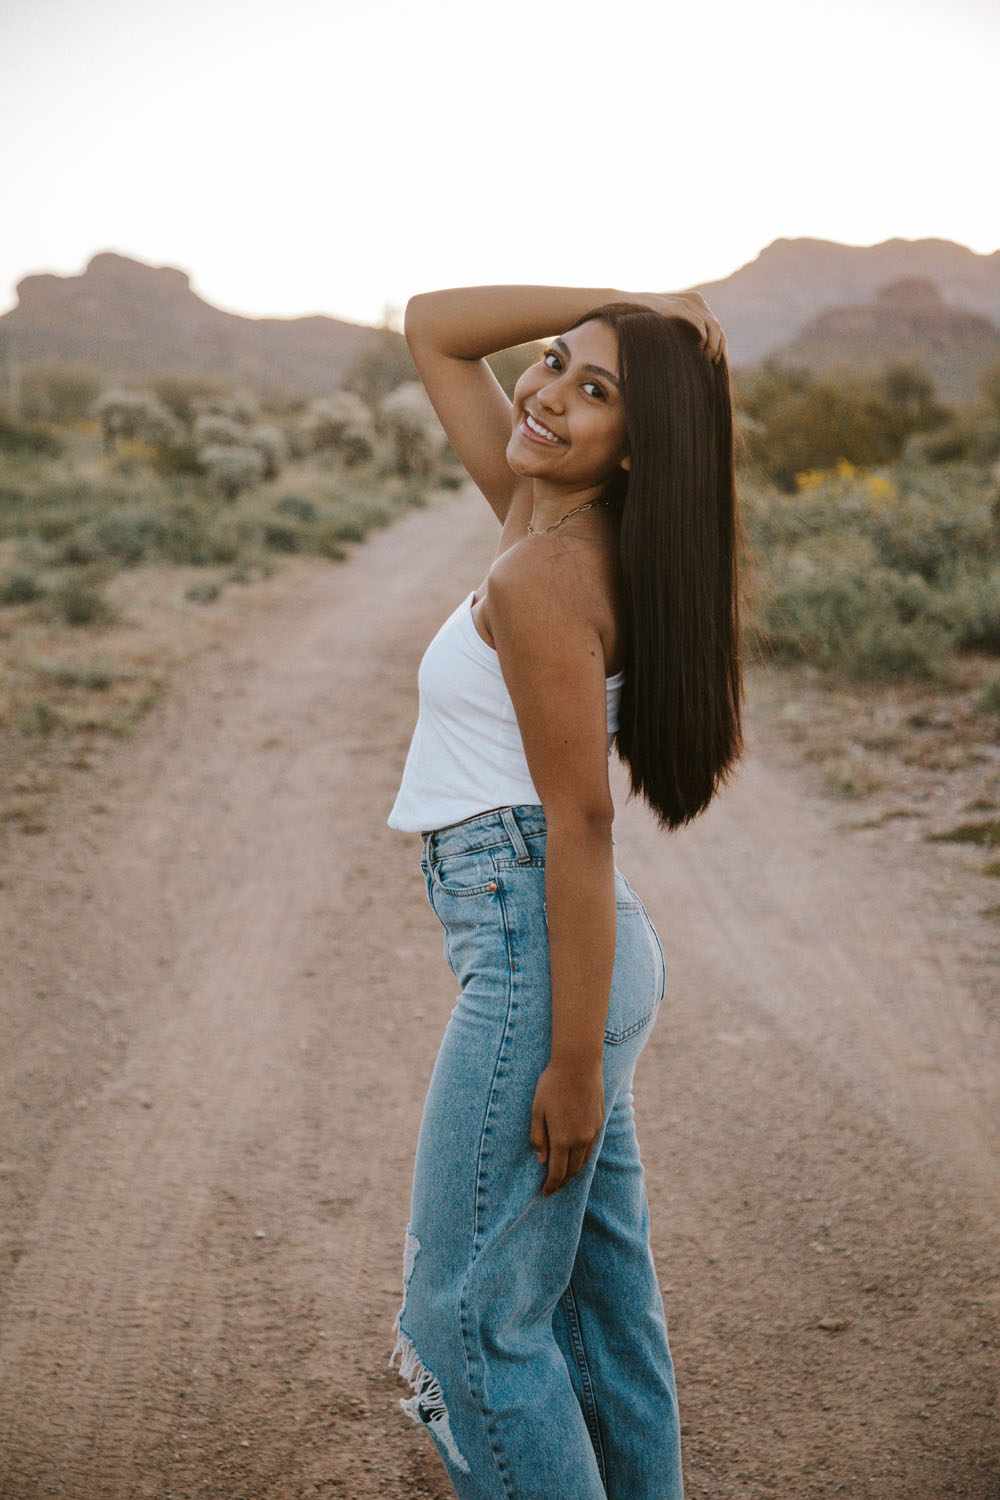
point(626, 463)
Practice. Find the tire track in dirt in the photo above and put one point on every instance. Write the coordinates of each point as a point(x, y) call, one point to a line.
point(224, 998)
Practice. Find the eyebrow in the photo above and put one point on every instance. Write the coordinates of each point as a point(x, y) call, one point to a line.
point(564, 348)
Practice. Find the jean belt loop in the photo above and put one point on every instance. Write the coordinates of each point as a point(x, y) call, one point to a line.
point(429, 847)
point(509, 821)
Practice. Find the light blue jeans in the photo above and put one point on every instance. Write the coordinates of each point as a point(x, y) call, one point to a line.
point(532, 1329)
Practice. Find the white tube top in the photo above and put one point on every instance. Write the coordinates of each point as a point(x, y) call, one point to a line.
point(466, 755)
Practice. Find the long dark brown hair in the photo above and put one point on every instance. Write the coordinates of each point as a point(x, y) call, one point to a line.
point(679, 728)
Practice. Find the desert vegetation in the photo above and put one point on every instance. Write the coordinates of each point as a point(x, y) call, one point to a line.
point(873, 593)
point(872, 521)
point(123, 502)
point(873, 524)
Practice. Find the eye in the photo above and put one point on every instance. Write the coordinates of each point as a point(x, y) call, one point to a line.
point(594, 389)
point(551, 358)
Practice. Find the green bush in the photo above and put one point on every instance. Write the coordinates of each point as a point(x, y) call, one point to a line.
point(20, 587)
point(300, 509)
point(283, 536)
point(59, 393)
point(793, 421)
point(94, 676)
point(178, 456)
point(139, 533)
point(204, 593)
point(80, 601)
point(27, 437)
point(39, 718)
point(970, 605)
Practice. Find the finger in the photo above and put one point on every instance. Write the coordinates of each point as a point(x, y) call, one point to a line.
point(538, 1136)
point(576, 1161)
point(558, 1162)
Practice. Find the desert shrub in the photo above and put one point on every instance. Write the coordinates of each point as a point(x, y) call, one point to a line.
point(185, 395)
point(181, 532)
point(792, 421)
point(381, 364)
point(203, 593)
point(298, 507)
point(969, 604)
point(328, 542)
point(989, 386)
point(973, 436)
point(27, 437)
point(59, 393)
point(53, 525)
point(272, 445)
point(876, 574)
point(863, 624)
point(884, 649)
point(20, 587)
point(216, 429)
point(80, 600)
point(347, 529)
point(341, 423)
point(232, 468)
point(180, 456)
point(280, 535)
point(243, 406)
point(408, 418)
point(95, 676)
point(39, 718)
point(134, 414)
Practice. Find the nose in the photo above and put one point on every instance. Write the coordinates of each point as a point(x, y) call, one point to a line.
point(550, 394)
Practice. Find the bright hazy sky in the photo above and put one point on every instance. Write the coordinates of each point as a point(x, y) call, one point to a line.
point(337, 155)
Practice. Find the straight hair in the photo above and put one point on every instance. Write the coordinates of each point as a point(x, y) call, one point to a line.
point(680, 730)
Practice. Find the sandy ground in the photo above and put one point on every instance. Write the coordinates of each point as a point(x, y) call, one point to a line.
point(223, 992)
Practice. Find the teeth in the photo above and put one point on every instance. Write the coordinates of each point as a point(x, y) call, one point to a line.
point(537, 427)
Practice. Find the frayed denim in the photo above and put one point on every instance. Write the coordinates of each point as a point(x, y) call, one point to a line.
point(532, 1330)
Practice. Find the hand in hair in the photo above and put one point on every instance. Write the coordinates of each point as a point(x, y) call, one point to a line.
point(692, 307)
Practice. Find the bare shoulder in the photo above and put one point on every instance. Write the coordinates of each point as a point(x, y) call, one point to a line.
point(549, 594)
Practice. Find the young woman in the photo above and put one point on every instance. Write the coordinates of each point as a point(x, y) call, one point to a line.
point(532, 1330)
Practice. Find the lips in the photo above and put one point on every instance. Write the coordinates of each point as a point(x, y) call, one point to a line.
point(537, 431)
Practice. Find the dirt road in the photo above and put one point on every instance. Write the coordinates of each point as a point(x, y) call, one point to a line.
point(223, 993)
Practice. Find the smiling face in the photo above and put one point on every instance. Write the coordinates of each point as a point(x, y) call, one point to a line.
point(568, 412)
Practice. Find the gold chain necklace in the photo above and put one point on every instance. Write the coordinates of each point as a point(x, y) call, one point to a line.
point(585, 506)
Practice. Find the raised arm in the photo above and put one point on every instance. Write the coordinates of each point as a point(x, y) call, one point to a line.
point(450, 333)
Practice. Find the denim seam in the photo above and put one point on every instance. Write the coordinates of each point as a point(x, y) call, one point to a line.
point(499, 843)
point(473, 1356)
point(589, 1403)
point(459, 892)
point(614, 1037)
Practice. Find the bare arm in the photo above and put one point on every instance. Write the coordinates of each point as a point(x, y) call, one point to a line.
point(451, 332)
point(553, 664)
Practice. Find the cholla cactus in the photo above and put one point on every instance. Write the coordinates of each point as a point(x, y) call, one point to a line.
point(134, 414)
point(341, 423)
point(160, 425)
point(243, 406)
point(272, 445)
point(412, 427)
point(232, 467)
point(213, 429)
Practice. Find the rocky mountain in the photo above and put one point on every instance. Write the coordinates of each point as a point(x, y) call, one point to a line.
point(906, 323)
point(129, 320)
point(765, 303)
